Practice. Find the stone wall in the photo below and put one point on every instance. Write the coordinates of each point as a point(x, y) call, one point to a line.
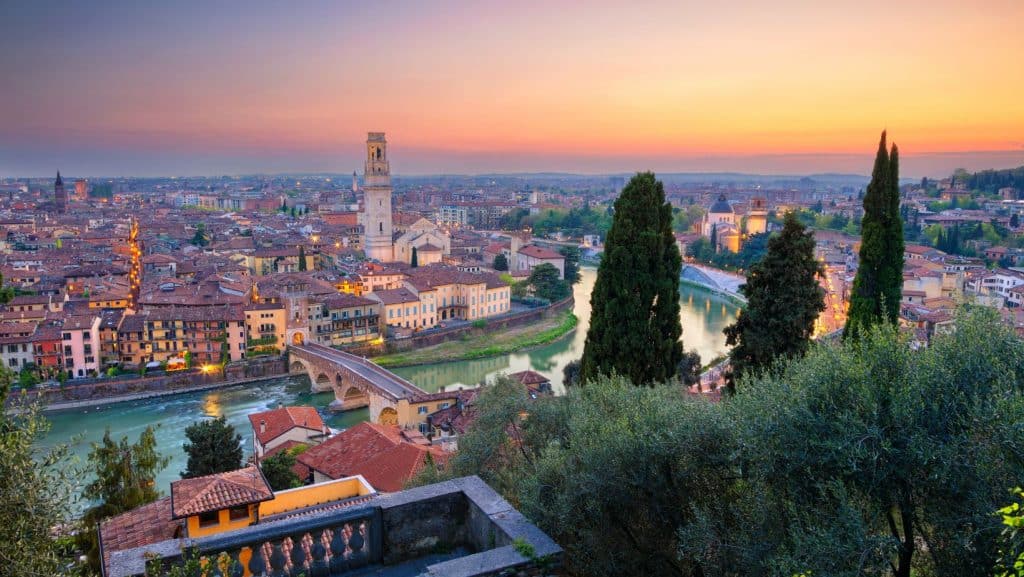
point(180, 381)
point(436, 337)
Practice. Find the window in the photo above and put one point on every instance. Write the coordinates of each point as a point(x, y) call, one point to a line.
point(236, 513)
point(13, 362)
point(209, 519)
point(422, 411)
point(67, 336)
point(445, 405)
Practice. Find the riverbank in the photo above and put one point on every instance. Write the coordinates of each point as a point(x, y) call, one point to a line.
point(104, 402)
point(486, 344)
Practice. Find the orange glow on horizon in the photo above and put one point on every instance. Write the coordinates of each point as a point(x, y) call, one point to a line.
point(601, 79)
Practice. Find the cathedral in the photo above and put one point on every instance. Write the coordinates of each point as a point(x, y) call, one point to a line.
point(723, 225)
point(428, 241)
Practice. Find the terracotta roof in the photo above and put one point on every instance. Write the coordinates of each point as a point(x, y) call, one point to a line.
point(141, 526)
point(220, 491)
point(534, 251)
point(377, 452)
point(530, 377)
point(396, 296)
point(280, 421)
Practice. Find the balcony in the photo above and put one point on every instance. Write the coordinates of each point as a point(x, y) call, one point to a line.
point(459, 528)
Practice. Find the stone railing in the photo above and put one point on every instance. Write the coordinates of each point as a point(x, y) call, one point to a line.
point(458, 528)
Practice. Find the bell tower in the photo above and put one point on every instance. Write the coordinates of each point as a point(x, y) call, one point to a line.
point(377, 231)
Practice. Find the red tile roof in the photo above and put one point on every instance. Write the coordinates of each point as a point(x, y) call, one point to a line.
point(220, 491)
point(377, 452)
point(280, 421)
point(143, 525)
point(541, 253)
point(529, 377)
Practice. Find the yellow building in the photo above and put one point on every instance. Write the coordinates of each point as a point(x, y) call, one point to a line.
point(213, 504)
point(266, 325)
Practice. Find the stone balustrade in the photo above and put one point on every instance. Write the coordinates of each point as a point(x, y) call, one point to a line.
point(458, 528)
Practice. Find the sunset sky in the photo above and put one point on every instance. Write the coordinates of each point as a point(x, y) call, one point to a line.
point(214, 87)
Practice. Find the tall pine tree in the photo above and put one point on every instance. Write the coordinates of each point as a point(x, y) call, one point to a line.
point(783, 300)
point(634, 325)
point(876, 290)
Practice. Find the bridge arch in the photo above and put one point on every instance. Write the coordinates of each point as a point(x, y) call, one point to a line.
point(356, 382)
point(388, 416)
point(297, 367)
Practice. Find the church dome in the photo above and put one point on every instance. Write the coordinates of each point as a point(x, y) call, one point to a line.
point(721, 206)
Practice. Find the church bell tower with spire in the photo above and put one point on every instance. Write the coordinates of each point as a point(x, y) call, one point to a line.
point(60, 196)
point(377, 231)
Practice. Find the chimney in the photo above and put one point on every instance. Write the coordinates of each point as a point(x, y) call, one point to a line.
point(263, 426)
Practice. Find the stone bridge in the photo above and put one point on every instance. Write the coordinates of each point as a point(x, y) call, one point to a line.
point(357, 382)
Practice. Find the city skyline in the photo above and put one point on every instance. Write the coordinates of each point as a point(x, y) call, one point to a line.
point(116, 88)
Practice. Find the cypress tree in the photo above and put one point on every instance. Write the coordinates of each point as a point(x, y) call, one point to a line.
point(634, 324)
point(876, 290)
point(784, 299)
point(302, 258)
point(415, 258)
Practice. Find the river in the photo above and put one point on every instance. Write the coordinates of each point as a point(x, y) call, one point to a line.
point(703, 316)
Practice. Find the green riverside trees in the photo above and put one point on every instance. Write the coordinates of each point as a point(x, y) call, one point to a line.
point(124, 480)
point(783, 301)
point(877, 288)
point(213, 447)
point(37, 489)
point(634, 327)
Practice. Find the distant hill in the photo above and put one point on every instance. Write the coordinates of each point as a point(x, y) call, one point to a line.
point(993, 180)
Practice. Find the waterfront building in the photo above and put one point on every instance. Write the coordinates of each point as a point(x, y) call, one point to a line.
point(81, 340)
point(346, 319)
point(265, 323)
point(284, 428)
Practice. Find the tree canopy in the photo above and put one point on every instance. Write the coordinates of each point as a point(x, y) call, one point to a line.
point(124, 479)
point(500, 262)
point(877, 288)
point(546, 284)
point(784, 299)
point(862, 457)
point(213, 446)
point(634, 325)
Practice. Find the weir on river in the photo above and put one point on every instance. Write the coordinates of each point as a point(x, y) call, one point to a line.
point(703, 315)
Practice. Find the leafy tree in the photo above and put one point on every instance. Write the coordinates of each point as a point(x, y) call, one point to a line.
point(546, 284)
point(213, 447)
point(1011, 542)
point(634, 327)
point(27, 378)
point(188, 359)
point(277, 468)
point(415, 258)
point(859, 458)
point(910, 451)
point(37, 490)
point(689, 367)
point(124, 480)
point(500, 262)
point(571, 373)
point(784, 299)
point(302, 258)
point(200, 238)
point(875, 296)
point(572, 263)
